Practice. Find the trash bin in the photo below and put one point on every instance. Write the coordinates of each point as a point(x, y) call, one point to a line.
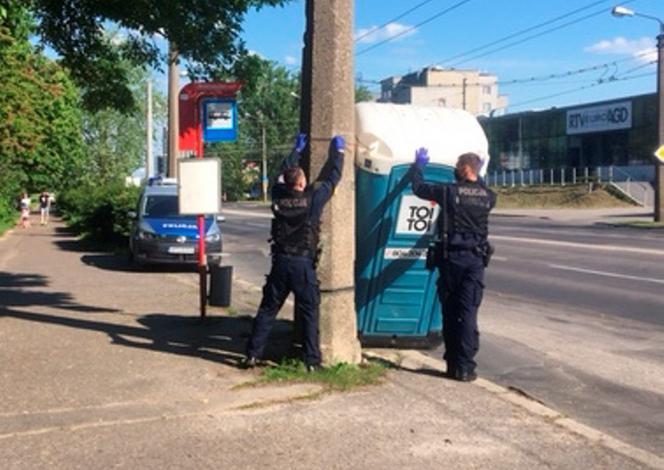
point(221, 281)
point(395, 296)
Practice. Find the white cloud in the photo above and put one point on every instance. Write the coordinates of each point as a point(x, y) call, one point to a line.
point(373, 34)
point(290, 60)
point(643, 48)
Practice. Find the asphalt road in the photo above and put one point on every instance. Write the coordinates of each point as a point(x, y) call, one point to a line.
point(573, 316)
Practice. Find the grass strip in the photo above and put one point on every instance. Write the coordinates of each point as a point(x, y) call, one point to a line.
point(337, 377)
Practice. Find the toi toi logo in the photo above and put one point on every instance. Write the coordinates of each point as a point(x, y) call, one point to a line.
point(420, 218)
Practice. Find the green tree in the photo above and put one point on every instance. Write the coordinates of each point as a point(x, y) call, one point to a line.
point(268, 103)
point(115, 141)
point(40, 118)
point(362, 93)
point(207, 34)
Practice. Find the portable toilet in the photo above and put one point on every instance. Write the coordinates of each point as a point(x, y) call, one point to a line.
point(395, 295)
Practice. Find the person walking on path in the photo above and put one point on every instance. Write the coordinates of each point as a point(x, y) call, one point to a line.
point(44, 207)
point(297, 209)
point(24, 205)
point(462, 253)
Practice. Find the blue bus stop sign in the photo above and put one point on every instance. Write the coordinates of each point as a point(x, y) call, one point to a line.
point(219, 120)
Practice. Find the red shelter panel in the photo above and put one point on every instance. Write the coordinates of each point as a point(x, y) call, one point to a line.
point(191, 132)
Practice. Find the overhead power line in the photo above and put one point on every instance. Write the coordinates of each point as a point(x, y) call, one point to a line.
point(523, 31)
point(592, 85)
point(396, 18)
point(542, 78)
point(413, 28)
point(540, 34)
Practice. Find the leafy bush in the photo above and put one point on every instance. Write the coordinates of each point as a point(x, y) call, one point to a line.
point(100, 213)
point(8, 215)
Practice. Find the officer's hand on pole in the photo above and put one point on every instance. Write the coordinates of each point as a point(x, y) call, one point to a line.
point(339, 143)
point(300, 142)
point(421, 157)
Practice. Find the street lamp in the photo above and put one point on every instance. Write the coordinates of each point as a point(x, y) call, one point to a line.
point(621, 12)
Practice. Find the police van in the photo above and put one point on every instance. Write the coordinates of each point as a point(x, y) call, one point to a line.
point(160, 235)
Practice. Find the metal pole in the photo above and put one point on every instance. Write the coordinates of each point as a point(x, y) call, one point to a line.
point(513, 174)
point(611, 174)
point(173, 114)
point(659, 167)
point(264, 173)
point(551, 176)
point(503, 177)
point(586, 174)
point(541, 176)
point(521, 176)
point(149, 172)
point(599, 174)
point(562, 176)
point(574, 176)
point(530, 177)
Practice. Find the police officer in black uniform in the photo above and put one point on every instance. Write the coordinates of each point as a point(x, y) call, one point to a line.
point(297, 209)
point(461, 254)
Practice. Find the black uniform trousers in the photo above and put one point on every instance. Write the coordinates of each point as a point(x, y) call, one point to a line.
point(460, 289)
point(295, 274)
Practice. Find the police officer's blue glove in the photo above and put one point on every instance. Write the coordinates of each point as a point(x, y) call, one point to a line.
point(339, 143)
point(421, 157)
point(300, 142)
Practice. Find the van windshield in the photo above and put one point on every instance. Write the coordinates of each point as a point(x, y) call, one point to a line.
point(161, 206)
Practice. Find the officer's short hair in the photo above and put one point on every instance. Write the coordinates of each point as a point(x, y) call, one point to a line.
point(472, 160)
point(292, 176)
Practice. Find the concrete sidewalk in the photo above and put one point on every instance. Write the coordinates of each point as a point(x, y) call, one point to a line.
point(103, 366)
point(582, 216)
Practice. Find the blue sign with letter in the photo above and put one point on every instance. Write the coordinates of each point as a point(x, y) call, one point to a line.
point(219, 120)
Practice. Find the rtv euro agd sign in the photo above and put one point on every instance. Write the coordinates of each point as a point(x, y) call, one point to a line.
point(608, 117)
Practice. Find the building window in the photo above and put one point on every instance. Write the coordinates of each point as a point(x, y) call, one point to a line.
point(486, 89)
point(486, 107)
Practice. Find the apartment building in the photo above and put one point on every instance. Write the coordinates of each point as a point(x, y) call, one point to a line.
point(472, 90)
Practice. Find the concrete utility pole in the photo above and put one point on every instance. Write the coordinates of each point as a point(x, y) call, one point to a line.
point(149, 172)
point(620, 12)
point(173, 110)
point(264, 181)
point(328, 109)
point(659, 166)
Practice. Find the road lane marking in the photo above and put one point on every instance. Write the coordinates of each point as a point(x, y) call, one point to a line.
point(498, 258)
point(258, 215)
point(606, 274)
point(562, 230)
point(585, 246)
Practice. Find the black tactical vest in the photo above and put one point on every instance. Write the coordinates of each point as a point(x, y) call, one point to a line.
point(468, 208)
point(292, 231)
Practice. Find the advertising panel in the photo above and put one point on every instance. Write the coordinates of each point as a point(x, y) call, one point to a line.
point(607, 117)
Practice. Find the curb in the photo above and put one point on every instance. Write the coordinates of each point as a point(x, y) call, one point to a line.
point(418, 359)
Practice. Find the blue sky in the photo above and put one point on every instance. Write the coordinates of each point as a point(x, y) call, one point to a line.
point(276, 33)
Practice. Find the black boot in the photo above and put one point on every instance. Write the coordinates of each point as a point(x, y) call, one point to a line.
point(248, 362)
point(465, 375)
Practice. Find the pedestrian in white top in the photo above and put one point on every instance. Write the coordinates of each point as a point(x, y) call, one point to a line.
point(25, 210)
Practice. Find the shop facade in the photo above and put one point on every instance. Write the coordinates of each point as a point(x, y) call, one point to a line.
point(621, 133)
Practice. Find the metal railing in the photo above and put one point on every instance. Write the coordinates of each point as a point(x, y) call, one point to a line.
point(635, 182)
